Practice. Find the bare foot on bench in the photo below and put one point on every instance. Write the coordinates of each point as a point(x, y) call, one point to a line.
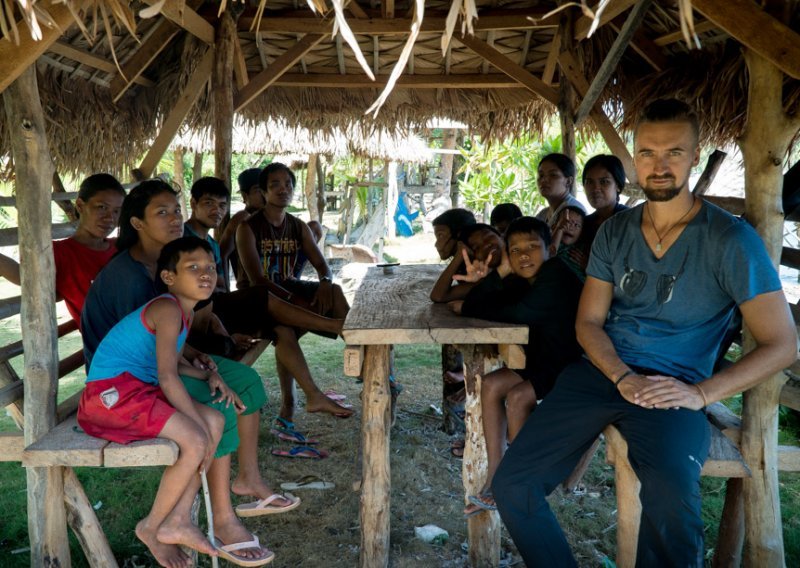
point(167, 555)
point(321, 403)
point(173, 531)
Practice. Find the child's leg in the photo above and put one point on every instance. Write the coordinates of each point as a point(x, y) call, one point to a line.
point(179, 480)
point(520, 402)
point(494, 390)
point(288, 352)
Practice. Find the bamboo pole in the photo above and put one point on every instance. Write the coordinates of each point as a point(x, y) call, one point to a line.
point(314, 213)
point(764, 144)
point(33, 167)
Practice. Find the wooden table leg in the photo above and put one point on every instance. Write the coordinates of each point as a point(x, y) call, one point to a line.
point(483, 530)
point(376, 477)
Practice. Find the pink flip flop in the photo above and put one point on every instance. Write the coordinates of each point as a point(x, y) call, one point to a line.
point(333, 395)
point(265, 506)
point(303, 452)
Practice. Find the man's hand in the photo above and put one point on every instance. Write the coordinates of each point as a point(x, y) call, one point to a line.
point(243, 341)
point(323, 299)
point(660, 392)
point(204, 362)
point(226, 395)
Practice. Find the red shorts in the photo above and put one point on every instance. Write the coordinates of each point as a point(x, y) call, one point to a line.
point(123, 409)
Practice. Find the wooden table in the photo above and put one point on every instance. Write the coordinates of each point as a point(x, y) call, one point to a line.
point(395, 309)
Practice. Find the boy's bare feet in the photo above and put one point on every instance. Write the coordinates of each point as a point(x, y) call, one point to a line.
point(184, 533)
point(321, 403)
point(167, 555)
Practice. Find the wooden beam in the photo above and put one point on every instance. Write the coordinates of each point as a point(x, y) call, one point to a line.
point(710, 172)
point(222, 94)
point(754, 28)
point(33, 168)
point(11, 446)
point(612, 59)
point(507, 66)
point(14, 59)
point(91, 60)
point(396, 26)
point(552, 58)
point(340, 55)
point(614, 141)
point(268, 76)
point(566, 92)
point(239, 65)
point(177, 115)
point(356, 10)
point(490, 42)
point(184, 16)
point(387, 9)
point(614, 9)
point(158, 40)
point(699, 27)
point(644, 46)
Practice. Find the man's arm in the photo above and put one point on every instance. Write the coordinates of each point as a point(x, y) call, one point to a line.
point(592, 313)
point(769, 320)
point(227, 242)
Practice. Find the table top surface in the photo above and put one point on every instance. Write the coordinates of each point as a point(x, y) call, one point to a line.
point(396, 308)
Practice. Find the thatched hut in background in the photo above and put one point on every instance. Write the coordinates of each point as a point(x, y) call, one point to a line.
point(94, 85)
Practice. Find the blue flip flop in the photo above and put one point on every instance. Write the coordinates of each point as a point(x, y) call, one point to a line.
point(284, 430)
point(303, 452)
point(478, 501)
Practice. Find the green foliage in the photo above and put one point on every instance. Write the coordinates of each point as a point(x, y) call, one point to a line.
point(505, 172)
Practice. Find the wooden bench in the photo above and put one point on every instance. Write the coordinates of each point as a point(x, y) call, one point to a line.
point(724, 460)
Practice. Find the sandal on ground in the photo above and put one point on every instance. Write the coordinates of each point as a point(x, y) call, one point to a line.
point(304, 452)
point(265, 507)
point(284, 430)
point(333, 395)
point(307, 482)
point(483, 500)
point(227, 551)
point(471, 510)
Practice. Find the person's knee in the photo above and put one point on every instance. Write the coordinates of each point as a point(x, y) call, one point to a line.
point(522, 397)
point(216, 424)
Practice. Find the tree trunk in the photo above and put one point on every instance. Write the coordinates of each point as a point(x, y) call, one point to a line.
point(197, 168)
point(446, 165)
point(566, 93)
point(222, 93)
point(764, 144)
point(311, 196)
point(33, 167)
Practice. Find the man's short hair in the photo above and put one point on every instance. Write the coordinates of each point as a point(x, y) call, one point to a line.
point(528, 225)
point(455, 220)
point(171, 255)
point(247, 179)
point(670, 110)
point(466, 232)
point(611, 164)
point(504, 213)
point(272, 168)
point(209, 186)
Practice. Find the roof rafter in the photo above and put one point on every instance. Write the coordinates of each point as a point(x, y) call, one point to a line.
point(268, 76)
point(510, 68)
point(572, 71)
point(613, 56)
point(183, 15)
point(614, 9)
point(161, 36)
point(756, 29)
point(14, 59)
point(91, 60)
point(200, 76)
point(462, 81)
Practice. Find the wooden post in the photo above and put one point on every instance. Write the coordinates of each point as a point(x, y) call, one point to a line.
point(446, 164)
point(629, 507)
point(768, 132)
point(320, 188)
point(222, 92)
point(566, 93)
point(390, 176)
point(47, 523)
point(314, 213)
point(728, 552)
point(483, 530)
point(197, 167)
point(376, 473)
point(84, 523)
point(179, 176)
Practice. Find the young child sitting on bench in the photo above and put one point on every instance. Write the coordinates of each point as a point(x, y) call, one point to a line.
point(133, 392)
point(527, 287)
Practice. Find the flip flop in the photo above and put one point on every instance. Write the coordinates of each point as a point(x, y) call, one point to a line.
point(333, 395)
point(304, 452)
point(457, 448)
point(484, 501)
point(307, 482)
point(474, 511)
point(264, 507)
point(284, 430)
point(227, 551)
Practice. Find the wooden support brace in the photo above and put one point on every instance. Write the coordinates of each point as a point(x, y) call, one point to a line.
point(790, 394)
point(83, 521)
point(788, 458)
point(353, 360)
point(11, 446)
point(513, 355)
point(183, 15)
point(144, 56)
point(710, 172)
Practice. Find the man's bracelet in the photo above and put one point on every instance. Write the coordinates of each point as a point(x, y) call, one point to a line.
point(623, 376)
point(702, 393)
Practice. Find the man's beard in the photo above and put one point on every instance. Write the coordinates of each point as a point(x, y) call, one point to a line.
point(665, 193)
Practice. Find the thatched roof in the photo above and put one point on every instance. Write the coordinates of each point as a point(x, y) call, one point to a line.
point(278, 137)
point(499, 81)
